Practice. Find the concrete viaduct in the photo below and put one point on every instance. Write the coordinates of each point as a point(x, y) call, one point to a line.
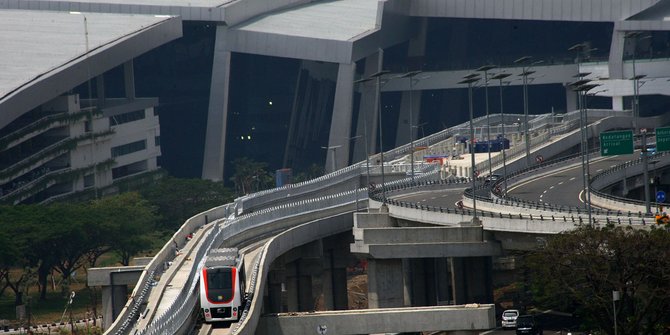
point(407, 249)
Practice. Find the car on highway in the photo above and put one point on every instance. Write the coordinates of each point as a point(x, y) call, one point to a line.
point(492, 178)
point(509, 317)
point(651, 151)
point(528, 325)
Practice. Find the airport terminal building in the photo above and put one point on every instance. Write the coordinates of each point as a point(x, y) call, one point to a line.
point(88, 87)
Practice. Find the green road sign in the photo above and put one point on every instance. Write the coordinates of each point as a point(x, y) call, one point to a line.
point(663, 139)
point(616, 143)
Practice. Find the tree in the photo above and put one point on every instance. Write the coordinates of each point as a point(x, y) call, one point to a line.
point(15, 248)
point(250, 176)
point(313, 171)
point(128, 219)
point(578, 271)
point(178, 199)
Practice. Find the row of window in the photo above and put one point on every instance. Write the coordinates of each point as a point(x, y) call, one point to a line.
point(126, 117)
point(136, 146)
point(129, 148)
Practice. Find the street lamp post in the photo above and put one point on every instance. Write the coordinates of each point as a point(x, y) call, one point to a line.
point(334, 149)
point(500, 77)
point(380, 127)
point(486, 69)
point(582, 86)
point(645, 171)
point(583, 124)
point(524, 74)
point(470, 79)
point(377, 76)
point(365, 135)
point(635, 35)
point(411, 75)
point(90, 107)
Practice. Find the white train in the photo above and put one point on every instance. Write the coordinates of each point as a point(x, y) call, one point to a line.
point(222, 285)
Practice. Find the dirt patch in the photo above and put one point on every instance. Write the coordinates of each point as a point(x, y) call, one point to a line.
point(357, 291)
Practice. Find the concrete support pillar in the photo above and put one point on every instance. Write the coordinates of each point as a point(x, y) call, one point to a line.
point(472, 280)
point(615, 62)
point(217, 114)
point(334, 280)
point(129, 79)
point(570, 99)
point(385, 283)
point(340, 125)
point(113, 299)
point(617, 103)
point(442, 281)
point(422, 282)
point(299, 288)
point(274, 302)
point(367, 110)
point(407, 282)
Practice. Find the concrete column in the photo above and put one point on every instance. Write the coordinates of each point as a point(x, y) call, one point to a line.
point(385, 283)
point(367, 110)
point(472, 280)
point(442, 281)
point(407, 282)
point(615, 62)
point(340, 124)
point(217, 114)
point(299, 288)
point(570, 99)
point(334, 280)
point(421, 282)
point(113, 299)
point(459, 283)
point(617, 103)
point(274, 302)
point(129, 79)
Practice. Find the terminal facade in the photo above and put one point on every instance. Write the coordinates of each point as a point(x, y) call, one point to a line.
point(287, 82)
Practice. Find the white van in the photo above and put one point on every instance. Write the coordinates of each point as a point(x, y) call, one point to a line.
point(509, 318)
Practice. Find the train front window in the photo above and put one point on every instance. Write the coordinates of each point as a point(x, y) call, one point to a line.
point(220, 284)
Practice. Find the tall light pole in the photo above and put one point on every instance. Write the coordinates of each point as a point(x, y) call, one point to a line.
point(645, 157)
point(365, 135)
point(470, 79)
point(334, 149)
point(411, 75)
point(486, 69)
point(578, 87)
point(90, 107)
point(378, 108)
point(500, 77)
point(582, 86)
point(635, 36)
point(380, 126)
point(583, 124)
point(524, 74)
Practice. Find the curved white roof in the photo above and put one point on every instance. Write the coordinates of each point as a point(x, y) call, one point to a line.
point(38, 45)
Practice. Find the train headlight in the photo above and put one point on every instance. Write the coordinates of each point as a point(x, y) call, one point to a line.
point(234, 308)
point(207, 310)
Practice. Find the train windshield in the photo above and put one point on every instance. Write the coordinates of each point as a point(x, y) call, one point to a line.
point(220, 284)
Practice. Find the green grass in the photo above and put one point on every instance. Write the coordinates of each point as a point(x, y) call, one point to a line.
point(51, 310)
